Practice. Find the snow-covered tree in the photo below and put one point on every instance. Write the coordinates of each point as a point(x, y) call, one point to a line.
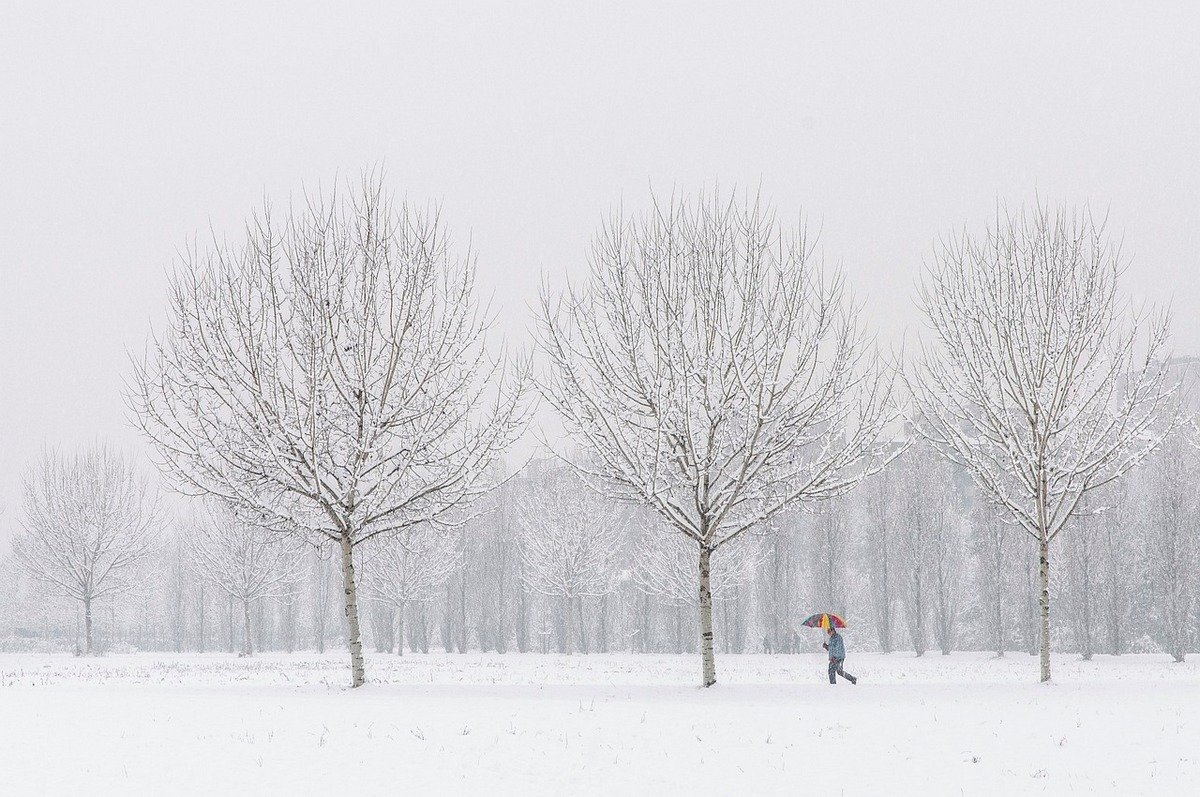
point(89, 521)
point(663, 566)
point(1082, 553)
point(246, 563)
point(1171, 534)
point(993, 543)
point(780, 574)
point(329, 376)
point(1120, 578)
point(829, 557)
point(876, 504)
point(947, 558)
point(570, 545)
point(929, 546)
point(322, 594)
point(410, 568)
point(714, 372)
point(1032, 380)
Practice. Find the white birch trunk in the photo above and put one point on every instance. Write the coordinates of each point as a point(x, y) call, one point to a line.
point(87, 626)
point(709, 675)
point(358, 666)
point(1044, 606)
point(247, 645)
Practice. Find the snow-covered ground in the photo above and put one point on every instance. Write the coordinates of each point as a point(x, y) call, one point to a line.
point(613, 725)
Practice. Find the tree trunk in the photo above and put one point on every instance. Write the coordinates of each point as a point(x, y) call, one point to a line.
point(917, 612)
point(290, 625)
point(463, 631)
point(706, 619)
point(583, 638)
point(262, 623)
point(400, 629)
point(423, 624)
point(1044, 604)
point(358, 667)
point(648, 623)
point(1114, 615)
point(1087, 608)
point(1032, 611)
point(522, 621)
point(679, 629)
point(998, 607)
point(997, 561)
point(501, 602)
point(602, 641)
point(247, 646)
point(87, 626)
point(200, 646)
point(564, 626)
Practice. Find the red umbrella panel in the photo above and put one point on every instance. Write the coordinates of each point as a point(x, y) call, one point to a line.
point(824, 620)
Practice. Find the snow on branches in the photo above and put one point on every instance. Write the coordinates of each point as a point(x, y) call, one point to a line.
point(89, 521)
point(1032, 379)
point(714, 372)
point(245, 562)
point(329, 377)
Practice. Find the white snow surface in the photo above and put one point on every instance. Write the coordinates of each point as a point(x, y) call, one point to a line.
point(287, 724)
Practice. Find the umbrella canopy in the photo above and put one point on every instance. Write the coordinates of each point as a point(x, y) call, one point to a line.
point(824, 620)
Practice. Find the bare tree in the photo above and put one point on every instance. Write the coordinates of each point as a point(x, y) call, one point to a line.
point(1119, 575)
point(663, 566)
point(411, 567)
point(322, 594)
point(247, 563)
point(570, 545)
point(992, 540)
point(779, 583)
point(1081, 580)
point(929, 545)
point(1031, 379)
point(1171, 532)
point(89, 521)
point(921, 509)
point(330, 377)
point(829, 557)
point(876, 505)
point(947, 558)
point(714, 373)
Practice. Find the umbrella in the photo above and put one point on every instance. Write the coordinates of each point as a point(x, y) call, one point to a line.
point(824, 620)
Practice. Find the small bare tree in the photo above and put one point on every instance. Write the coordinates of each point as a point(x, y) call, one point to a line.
point(570, 545)
point(714, 373)
point(247, 563)
point(928, 546)
point(329, 377)
point(876, 504)
point(89, 521)
point(1031, 380)
point(410, 567)
point(1171, 530)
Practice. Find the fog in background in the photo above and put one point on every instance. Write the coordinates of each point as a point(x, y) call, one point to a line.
point(125, 130)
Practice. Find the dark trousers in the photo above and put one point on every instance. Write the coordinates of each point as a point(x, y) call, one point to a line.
point(835, 669)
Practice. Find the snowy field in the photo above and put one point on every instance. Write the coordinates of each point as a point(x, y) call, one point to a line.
point(614, 725)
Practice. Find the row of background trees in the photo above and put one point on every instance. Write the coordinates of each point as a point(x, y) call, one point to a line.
point(914, 560)
point(326, 389)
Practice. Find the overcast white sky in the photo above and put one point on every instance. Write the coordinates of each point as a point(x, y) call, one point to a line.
point(126, 128)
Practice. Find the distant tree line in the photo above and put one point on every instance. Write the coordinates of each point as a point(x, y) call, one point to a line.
point(739, 453)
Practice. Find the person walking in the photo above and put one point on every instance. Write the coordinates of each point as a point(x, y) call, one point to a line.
point(837, 654)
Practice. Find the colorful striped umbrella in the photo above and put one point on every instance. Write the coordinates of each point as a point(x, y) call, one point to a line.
point(824, 620)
